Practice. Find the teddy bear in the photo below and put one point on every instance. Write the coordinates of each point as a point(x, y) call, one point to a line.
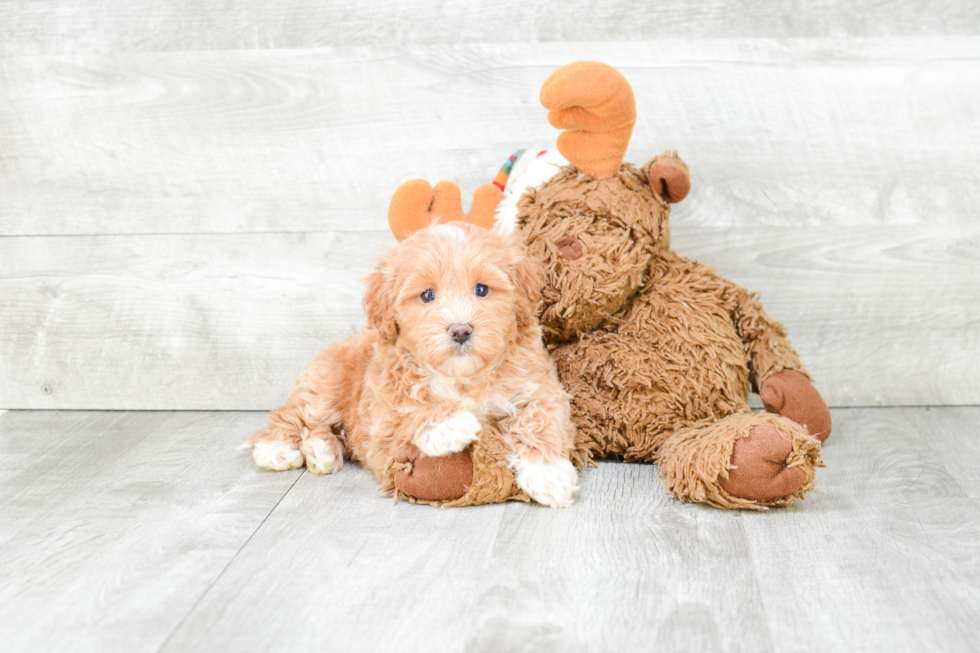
point(658, 351)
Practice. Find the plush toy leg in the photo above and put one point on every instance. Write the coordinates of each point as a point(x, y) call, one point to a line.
point(478, 475)
point(741, 461)
point(433, 478)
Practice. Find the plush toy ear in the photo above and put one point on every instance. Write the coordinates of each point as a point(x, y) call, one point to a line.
point(595, 104)
point(527, 277)
point(669, 176)
point(379, 304)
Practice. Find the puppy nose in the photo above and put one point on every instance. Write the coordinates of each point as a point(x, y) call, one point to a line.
point(570, 248)
point(460, 332)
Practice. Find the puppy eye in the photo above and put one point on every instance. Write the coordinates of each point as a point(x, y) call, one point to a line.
point(428, 295)
point(480, 290)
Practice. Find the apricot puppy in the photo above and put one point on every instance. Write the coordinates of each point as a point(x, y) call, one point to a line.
point(452, 342)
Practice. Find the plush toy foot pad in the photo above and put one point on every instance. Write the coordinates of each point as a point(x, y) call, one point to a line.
point(441, 478)
point(791, 395)
point(760, 472)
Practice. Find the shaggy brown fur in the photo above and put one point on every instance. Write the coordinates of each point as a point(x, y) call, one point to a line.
point(657, 351)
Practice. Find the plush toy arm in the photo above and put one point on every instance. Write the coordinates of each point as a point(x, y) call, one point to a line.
point(764, 338)
point(775, 369)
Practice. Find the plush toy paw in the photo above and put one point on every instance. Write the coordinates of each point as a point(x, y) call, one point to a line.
point(759, 471)
point(669, 177)
point(791, 395)
point(442, 478)
point(451, 435)
point(550, 484)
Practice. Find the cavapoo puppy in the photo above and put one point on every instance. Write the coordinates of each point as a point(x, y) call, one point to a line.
point(452, 339)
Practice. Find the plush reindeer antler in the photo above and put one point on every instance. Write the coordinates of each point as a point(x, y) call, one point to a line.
point(595, 104)
point(416, 205)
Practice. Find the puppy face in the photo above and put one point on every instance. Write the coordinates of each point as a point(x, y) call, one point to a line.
point(455, 296)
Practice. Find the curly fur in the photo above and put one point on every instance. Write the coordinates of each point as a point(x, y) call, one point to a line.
point(405, 380)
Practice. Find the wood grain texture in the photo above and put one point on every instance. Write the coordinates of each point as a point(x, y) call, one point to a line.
point(76, 26)
point(951, 434)
point(880, 315)
point(174, 322)
point(626, 567)
point(881, 556)
point(798, 132)
point(112, 525)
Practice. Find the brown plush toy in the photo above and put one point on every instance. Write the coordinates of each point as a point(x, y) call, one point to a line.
point(658, 351)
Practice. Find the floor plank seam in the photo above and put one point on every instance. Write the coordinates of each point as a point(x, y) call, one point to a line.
point(217, 578)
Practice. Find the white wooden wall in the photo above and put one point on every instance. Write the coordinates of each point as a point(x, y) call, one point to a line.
point(190, 192)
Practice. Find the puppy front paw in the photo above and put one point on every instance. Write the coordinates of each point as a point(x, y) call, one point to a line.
point(322, 456)
point(451, 435)
point(550, 484)
point(276, 456)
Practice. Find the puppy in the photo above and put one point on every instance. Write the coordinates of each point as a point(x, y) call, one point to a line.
point(451, 340)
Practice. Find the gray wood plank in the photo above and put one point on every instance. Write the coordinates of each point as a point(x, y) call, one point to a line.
point(174, 322)
point(953, 436)
point(74, 26)
point(113, 525)
point(363, 565)
point(799, 132)
point(880, 557)
point(625, 566)
point(883, 554)
point(881, 315)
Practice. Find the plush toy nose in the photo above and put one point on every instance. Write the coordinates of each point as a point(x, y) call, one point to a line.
point(460, 332)
point(570, 248)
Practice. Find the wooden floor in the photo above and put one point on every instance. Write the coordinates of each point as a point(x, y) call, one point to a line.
point(147, 531)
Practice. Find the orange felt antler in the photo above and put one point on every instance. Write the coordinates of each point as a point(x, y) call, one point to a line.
point(416, 205)
point(595, 104)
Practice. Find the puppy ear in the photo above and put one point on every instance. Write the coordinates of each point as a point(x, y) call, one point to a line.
point(527, 279)
point(379, 305)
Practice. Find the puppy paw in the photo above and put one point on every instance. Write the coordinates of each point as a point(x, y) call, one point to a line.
point(550, 484)
point(450, 436)
point(276, 456)
point(322, 456)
